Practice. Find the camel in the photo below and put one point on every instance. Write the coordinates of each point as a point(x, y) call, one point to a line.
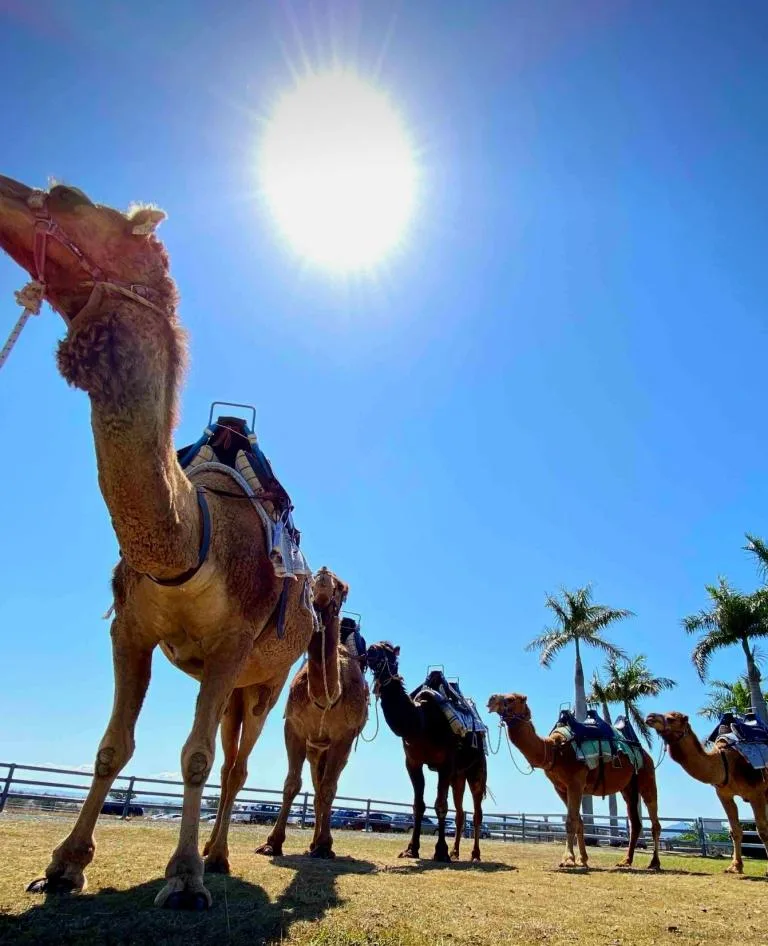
point(573, 779)
point(723, 767)
point(327, 709)
point(429, 740)
point(195, 574)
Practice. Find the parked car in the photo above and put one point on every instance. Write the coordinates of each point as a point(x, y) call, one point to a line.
point(404, 823)
point(116, 808)
point(469, 829)
point(376, 821)
point(264, 814)
point(343, 817)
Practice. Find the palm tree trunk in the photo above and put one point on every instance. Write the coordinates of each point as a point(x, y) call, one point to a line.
point(754, 679)
point(580, 711)
point(613, 805)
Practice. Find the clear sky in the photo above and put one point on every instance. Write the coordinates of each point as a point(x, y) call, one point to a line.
point(558, 380)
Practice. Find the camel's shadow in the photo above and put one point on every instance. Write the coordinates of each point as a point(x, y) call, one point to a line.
point(420, 866)
point(242, 913)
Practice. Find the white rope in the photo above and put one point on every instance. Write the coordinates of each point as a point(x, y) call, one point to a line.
point(31, 298)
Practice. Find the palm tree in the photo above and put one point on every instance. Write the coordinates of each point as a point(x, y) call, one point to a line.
point(628, 681)
point(728, 697)
point(759, 549)
point(598, 695)
point(733, 618)
point(579, 622)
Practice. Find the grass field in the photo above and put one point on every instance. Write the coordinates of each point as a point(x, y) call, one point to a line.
point(367, 896)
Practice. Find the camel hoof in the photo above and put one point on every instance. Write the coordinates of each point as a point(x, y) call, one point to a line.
point(442, 857)
point(624, 863)
point(567, 864)
point(270, 850)
point(322, 853)
point(476, 858)
point(454, 855)
point(734, 869)
point(186, 900)
point(216, 865)
point(178, 894)
point(411, 855)
point(54, 885)
point(654, 865)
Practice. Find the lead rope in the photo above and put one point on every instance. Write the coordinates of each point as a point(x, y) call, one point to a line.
point(498, 744)
point(661, 756)
point(512, 757)
point(376, 710)
point(31, 298)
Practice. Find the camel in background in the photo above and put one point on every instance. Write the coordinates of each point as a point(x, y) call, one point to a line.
point(573, 779)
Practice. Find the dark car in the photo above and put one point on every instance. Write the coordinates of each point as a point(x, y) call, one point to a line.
point(263, 814)
point(376, 821)
point(116, 808)
point(344, 817)
point(469, 829)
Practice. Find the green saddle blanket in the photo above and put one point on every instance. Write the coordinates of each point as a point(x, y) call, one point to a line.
point(593, 751)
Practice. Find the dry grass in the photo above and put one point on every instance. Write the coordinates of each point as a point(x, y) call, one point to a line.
point(369, 897)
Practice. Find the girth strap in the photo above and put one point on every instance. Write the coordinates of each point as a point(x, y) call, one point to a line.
point(205, 543)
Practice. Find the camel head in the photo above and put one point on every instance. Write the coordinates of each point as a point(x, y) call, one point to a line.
point(328, 590)
point(512, 707)
point(383, 658)
point(84, 242)
point(670, 726)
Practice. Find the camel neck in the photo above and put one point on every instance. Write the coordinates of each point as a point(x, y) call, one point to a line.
point(528, 741)
point(704, 766)
point(401, 713)
point(128, 359)
point(323, 658)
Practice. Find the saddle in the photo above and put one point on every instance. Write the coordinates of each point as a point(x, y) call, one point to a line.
point(353, 640)
point(746, 728)
point(626, 730)
point(592, 728)
point(229, 441)
point(460, 711)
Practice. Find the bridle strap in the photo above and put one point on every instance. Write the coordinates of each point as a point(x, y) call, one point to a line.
point(205, 544)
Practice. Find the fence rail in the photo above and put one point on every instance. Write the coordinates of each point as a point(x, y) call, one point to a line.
point(23, 787)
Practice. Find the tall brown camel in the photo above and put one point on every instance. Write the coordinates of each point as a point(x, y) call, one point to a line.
point(573, 779)
point(429, 740)
point(723, 767)
point(108, 276)
point(327, 708)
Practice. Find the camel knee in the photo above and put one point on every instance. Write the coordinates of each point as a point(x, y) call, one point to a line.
point(441, 810)
point(196, 762)
point(112, 755)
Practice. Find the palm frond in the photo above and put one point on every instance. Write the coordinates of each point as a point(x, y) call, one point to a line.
point(759, 549)
point(638, 722)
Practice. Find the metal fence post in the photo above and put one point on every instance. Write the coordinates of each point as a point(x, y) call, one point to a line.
point(702, 836)
point(522, 825)
point(304, 810)
point(128, 797)
point(7, 786)
point(368, 815)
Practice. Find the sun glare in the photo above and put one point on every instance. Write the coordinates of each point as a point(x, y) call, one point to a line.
point(338, 171)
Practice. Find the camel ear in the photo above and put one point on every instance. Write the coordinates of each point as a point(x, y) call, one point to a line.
point(685, 718)
point(144, 222)
point(397, 651)
point(344, 591)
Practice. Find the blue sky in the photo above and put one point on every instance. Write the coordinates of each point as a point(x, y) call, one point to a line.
point(559, 380)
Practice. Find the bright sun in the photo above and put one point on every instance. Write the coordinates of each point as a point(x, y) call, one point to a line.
point(338, 171)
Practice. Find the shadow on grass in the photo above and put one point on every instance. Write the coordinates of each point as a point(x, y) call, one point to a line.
point(418, 867)
point(242, 913)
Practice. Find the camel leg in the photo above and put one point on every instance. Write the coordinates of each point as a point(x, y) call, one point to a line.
point(296, 748)
point(231, 722)
point(574, 829)
point(416, 773)
point(631, 796)
point(646, 782)
point(477, 787)
point(184, 874)
point(257, 701)
point(732, 814)
point(132, 667)
point(335, 759)
point(441, 810)
point(761, 820)
point(458, 786)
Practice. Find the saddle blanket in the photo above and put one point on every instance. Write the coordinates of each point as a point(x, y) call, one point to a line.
point(460, 711)
point(756, 753)
point(593, 751)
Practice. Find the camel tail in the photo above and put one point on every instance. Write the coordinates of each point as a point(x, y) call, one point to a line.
point(487, 792)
